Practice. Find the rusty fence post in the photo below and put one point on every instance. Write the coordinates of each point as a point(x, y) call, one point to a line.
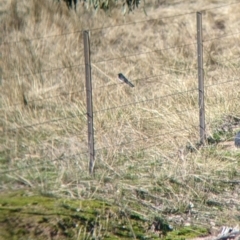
point(88, 77)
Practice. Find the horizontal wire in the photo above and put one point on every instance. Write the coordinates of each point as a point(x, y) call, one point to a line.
point(107, 60)
point(94, 29)
point(59, 95)
point(144, 78)
point(177, 112)
point(230, 59)
point(169, 114)
point(30, 146)
point(140, 139)
point(188, 109)
point(220, 83)
point(156, 145)
point(103, 86)
point(60, 119)
point(225, 100)
point(135, 22)
point(167, 17)
point(42, 123)
point(135, 80)
point(40, 163)
point(99, 149)
point(225, 60)
point(222, 6)
point(141, 21)
point(142, 53)
point(208, 106)
point(61, 157)
point(220, 37)
point(42, 37)
point(81, 153)
point(121, 144)
point(137, 54)
point(148, 100)
point(120, 106)
point(37, 100)
point(45, 71)
point(111, 108)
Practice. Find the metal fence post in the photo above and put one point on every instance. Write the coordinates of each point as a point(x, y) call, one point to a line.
point(200, 79)
point(89, 101)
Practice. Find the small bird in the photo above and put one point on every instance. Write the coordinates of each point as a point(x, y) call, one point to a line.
point(237, 140)
point(122, 78)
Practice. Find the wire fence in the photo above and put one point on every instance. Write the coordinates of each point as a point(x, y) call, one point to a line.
point(100, 116)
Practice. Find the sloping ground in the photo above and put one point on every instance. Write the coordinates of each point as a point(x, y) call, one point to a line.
point(38, 217)
point(28, 216)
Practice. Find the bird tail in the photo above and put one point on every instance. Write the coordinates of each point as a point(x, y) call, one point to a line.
point(130, 84)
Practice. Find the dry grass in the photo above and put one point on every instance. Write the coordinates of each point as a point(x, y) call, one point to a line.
point(141, 134)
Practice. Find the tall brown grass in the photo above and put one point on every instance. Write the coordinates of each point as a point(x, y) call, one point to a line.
point(145, 137)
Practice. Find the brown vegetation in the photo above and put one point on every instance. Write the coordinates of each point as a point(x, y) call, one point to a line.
point(145, 137)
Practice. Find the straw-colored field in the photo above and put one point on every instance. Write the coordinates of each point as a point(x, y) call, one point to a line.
point(146, 138)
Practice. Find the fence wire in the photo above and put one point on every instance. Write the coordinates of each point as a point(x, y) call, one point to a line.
point(41, 72)
point(144, 101)
point(143, 78)
point(144, 53)
point(43, 123)
point(146, 139)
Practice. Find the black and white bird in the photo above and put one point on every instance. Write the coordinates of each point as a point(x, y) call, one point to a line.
point(123, 79)
point(237, 140)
